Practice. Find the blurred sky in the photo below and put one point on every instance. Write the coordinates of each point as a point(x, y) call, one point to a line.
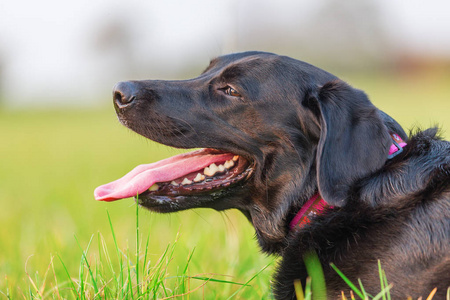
point(72, 52)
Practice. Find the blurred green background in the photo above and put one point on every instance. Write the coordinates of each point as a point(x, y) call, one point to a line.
point(60, 137)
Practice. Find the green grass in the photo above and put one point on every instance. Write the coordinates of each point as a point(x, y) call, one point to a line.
point(50, 163)
point(118, 276)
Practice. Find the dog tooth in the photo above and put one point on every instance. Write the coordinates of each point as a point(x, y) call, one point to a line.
point(199, 177)
point(174, 183)
point(153, 188)
point(221, 168)
point(229, 164)
point(206, 171)
point(211, 170)
point(186, 181)
point(235, 158)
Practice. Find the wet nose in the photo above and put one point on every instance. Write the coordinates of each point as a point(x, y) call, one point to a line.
point(124, 93)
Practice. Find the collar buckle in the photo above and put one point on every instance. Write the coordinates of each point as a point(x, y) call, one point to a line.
point(397, 146)
point(397, 152)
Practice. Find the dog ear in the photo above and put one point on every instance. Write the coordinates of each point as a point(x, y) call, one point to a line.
point(353, 143)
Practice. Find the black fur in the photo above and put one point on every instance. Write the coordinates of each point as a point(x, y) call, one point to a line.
point(304, 130)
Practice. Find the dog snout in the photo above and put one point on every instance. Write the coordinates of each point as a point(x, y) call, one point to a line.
point(124, 93)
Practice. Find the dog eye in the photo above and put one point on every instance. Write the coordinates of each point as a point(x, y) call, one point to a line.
point(231, 92)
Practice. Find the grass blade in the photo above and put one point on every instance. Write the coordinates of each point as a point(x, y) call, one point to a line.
point(380, 272)
point(308, 290)
point(184, 274)
point(383, 292)
point(386, 284)
point(216, 280)
point(70, 278)
point(299, 290)
point(314, 269)
point(158, 280)
point(349, 283)
point(31, 279)
point(119, 256)
point(94, 283)
point(363, 291)
point(146, 254)
point(431, 295)
point(137, 251)
point(248, 281)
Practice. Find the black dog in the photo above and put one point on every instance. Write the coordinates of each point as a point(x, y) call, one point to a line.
point(308, 160)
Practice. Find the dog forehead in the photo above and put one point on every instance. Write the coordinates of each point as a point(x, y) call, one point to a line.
point(265, 64)
point(236, 59)
point(242, 56)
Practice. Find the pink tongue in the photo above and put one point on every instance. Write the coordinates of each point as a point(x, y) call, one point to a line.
point(144, 176)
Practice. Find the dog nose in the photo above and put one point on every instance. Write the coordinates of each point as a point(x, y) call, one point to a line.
point(124, 93)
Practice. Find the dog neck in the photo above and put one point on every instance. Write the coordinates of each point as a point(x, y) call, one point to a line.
point(316, 205)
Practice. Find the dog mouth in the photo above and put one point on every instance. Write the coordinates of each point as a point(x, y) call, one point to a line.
point(202, 171)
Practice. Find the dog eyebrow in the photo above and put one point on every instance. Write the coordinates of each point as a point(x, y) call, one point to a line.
point(232, 73)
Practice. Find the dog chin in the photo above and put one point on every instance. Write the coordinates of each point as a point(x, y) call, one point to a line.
point(218, 199)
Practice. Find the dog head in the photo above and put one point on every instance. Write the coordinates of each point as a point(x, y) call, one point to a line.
point(278, 130)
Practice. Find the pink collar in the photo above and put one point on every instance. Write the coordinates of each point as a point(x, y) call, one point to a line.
point(397, 146)
point(316, 205)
